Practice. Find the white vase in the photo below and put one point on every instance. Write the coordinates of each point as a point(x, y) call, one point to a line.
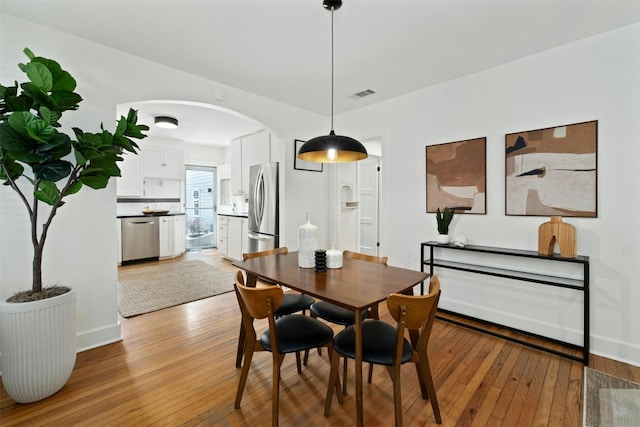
point(38, 345)
point(307, 244)
point(443, 239)
point(334, 258)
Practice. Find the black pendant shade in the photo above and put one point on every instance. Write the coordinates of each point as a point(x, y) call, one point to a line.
point(332, 148)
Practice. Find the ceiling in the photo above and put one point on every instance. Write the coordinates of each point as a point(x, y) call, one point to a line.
point(281, 49)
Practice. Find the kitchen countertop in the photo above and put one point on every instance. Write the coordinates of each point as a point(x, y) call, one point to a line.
point(241, 215)
point(143, 215)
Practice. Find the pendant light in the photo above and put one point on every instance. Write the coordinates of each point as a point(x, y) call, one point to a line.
point(332, 148)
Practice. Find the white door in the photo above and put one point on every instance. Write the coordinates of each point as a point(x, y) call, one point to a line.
point(369, 179)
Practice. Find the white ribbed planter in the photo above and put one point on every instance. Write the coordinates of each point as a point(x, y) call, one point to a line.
point(37, 346)
point(443, 239)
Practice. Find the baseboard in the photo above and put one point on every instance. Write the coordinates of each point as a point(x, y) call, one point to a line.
point(99, 337)
point(616, 350)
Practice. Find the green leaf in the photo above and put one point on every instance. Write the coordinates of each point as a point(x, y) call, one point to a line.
point(28, 52)
point(80, 159)
point(59, 146)
point(20, 148)
point(14, 169)
point(55, 117)
point(47, 192)
point(52, 170)
point(122, 126)
point(38, 96)
point(39, 75)
point(95, 181)
point(45, 113)
point(125, 143)
point(73, 188)
point(40, 130)
point(62, 80)
point(66, 100)
point(20, 120)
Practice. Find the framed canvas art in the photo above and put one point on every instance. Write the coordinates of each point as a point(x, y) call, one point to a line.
point(303, 165)
point(552, 171)
point(457, 176)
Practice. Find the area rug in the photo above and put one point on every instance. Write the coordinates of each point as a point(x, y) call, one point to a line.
point(610, 401)
point(158, 286)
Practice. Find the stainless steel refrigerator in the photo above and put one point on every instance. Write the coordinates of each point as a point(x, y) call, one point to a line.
point(263, 207)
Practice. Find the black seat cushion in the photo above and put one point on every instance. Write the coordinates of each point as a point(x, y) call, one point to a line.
point(335, 314)
point(297, 332)
point(378, 343)
point(292, 303)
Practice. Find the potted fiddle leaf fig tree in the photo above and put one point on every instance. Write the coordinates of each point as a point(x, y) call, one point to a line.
point(444, 220)
point(44, 166)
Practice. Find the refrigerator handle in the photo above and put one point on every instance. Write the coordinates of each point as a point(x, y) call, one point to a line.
point(259, 198)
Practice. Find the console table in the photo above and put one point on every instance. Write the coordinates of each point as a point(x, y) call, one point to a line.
point(578, 285)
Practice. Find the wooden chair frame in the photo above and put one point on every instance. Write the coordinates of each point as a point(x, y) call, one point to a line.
point(415, 314)
point(242, 334)
point(260, 303)
point(373, 312)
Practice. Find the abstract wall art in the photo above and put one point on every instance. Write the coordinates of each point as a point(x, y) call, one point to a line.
point(552, 171)
point(457, 176)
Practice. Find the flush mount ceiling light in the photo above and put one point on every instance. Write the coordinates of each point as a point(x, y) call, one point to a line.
point(166, 122)
point(332, 148)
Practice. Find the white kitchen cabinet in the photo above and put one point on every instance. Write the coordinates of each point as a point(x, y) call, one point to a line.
point(129, 183)
point(245, 152)
point(234, 241)
point(223, 235)
point(167, 237)
point(256, 150)
point(180, 234)
point(232, 236)
point(163, 164)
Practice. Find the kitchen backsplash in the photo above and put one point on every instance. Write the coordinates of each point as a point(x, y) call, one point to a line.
point(159, 194)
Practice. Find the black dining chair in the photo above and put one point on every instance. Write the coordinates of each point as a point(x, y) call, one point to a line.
point(385, 344)
point(288, 334)
point(341, 316)
point(292, 302)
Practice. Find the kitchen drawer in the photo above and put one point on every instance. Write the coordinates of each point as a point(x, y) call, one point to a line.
point(222, 245)
point(222, 230)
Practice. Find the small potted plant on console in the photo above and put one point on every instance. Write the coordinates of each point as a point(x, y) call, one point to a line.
point(444, 219)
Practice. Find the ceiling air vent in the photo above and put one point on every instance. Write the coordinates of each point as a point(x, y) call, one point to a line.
point(362, 94)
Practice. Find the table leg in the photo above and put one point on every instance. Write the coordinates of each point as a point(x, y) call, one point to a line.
point(358, 363)
point(252, 279)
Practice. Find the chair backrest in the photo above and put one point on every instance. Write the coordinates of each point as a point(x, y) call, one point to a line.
point(276, 251)
point(365, 257)
point(416, 313)
point(258, 302)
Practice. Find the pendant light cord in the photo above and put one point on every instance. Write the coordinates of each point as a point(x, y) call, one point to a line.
point(332, 8)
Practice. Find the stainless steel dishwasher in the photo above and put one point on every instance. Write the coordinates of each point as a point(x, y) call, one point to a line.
point(140, 238)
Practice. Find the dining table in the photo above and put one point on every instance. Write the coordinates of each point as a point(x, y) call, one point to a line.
point(356, 286)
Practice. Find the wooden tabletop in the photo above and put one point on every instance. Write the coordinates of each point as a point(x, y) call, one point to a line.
point(356, 286)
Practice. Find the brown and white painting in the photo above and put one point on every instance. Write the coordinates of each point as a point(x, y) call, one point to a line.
point(456, 176)
point(552, 171)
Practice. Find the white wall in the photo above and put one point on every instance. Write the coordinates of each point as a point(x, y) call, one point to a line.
point(80, 248)
point(593, 79)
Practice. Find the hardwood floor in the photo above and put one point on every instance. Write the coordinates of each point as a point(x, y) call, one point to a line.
point(176, 367)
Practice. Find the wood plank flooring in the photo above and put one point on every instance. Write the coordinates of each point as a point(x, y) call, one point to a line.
point(177, 367)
